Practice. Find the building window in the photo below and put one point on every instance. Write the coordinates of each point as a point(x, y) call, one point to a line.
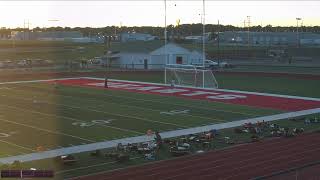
point(178, 60)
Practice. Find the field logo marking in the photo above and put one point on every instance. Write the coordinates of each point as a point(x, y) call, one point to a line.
point(227, 96)
point(174, 112)
point(166, 90)
point(4, 88)
point(92, 123)
point(4, 135)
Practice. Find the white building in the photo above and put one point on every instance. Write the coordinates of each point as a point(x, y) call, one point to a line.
point(133, 36)
point(153, 58)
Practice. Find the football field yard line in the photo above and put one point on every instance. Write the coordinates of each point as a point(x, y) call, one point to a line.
point(46, 130)
point(114, 114)
point(36, 81)
point(73, 119)
point(136, 107)
point(145, 138)
point(181, 105)
point(16, 145)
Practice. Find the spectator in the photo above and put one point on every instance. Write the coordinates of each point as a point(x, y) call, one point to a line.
point(307, 121)
point(158, 139)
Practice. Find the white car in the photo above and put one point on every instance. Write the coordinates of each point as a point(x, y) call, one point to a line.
point(207, 64)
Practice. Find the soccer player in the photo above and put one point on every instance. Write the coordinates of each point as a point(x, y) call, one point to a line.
point(172, 83)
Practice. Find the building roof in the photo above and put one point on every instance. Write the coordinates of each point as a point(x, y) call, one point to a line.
point(145, 46)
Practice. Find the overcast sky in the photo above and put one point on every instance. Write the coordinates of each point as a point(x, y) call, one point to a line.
point(139, 13)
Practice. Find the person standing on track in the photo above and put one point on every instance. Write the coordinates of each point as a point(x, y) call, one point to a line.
point(106, 82)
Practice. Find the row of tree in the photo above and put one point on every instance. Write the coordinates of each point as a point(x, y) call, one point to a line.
point(183, 30)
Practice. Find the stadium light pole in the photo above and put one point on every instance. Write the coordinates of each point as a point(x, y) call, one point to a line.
point(298, 39)
point(203, 40)
point(248, 22)
point(165, 40)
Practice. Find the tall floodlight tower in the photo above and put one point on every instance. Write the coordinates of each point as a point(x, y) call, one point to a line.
point(298, 39)
point(203, 39)
point(165, 39)
point(248, 22)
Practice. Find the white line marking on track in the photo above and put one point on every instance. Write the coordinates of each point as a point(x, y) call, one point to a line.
point(95, 165)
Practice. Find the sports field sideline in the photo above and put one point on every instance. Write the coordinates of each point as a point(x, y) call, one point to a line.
point(76, 111)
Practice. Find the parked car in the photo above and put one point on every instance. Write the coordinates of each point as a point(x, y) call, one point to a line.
point(95, 60)
point(208, 64)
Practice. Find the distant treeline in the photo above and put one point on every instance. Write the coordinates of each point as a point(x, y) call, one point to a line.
point(183, 30)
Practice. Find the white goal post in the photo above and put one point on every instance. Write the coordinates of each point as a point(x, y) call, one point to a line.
point(189, 75)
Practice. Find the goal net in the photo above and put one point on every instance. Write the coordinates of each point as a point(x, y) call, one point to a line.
point(189, 75)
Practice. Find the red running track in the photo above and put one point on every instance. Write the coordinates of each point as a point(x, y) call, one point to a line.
point(239, 162)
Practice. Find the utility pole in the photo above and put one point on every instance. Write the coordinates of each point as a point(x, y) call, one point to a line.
point(248, 22)
point(165, 29)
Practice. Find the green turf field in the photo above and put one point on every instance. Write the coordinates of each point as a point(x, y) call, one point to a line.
point(38, 114)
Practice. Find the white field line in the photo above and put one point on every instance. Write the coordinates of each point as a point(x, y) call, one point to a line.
point(139, 139)
point(223, 90)
point(130, 106)
point(87, 167)
point(188, 106)
point(16, 145)
point(113, 114)
point(162, 102)
point(69, 118)
point(35, 81)
point(46, 130)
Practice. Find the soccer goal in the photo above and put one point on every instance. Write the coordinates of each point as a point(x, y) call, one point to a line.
point(189, 75)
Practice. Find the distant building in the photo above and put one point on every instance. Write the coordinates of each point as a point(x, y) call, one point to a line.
point(133, 36)
point(198, 39)
point(151, 55)
point(269, 38)
point(50, 35)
